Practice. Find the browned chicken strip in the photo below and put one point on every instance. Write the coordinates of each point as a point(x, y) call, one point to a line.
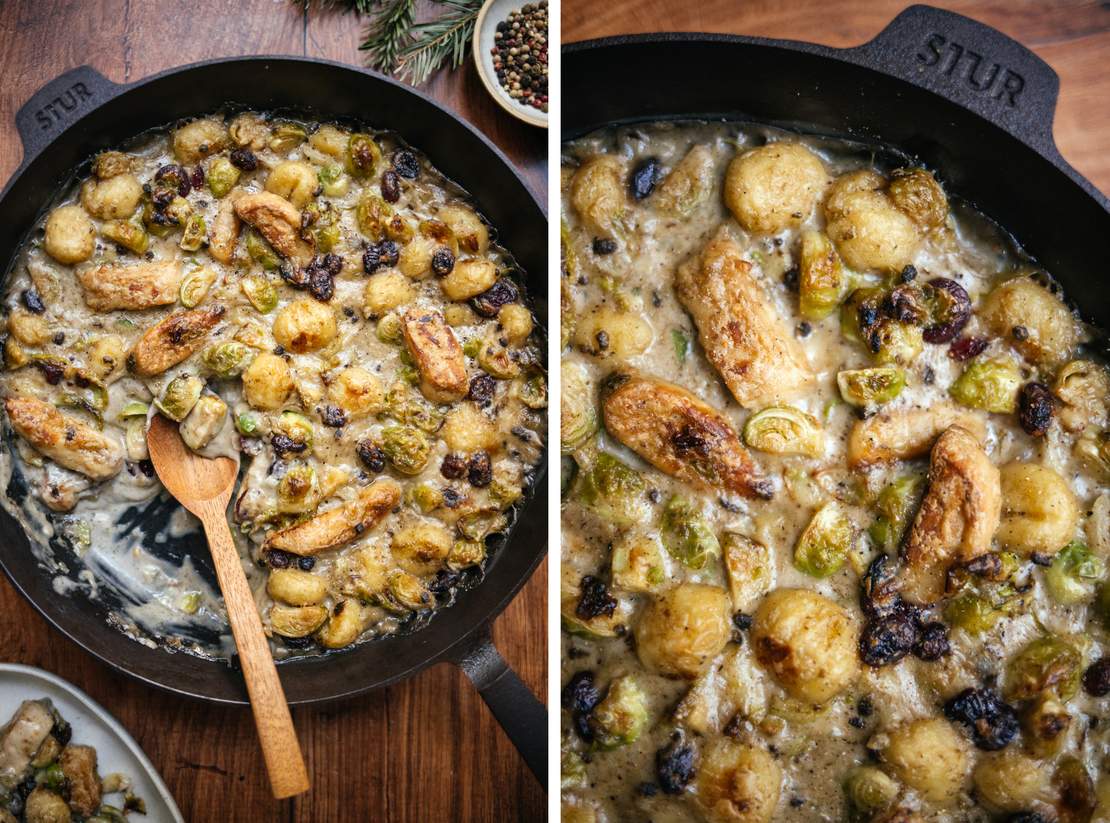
point(680, 435)
point(437, 353)
point(135, 286)
point(65, 440)
point(276, 219)
point(742, 334)
point(340, 525)
point(907, 433)
point(957, 519)
point(171, 340)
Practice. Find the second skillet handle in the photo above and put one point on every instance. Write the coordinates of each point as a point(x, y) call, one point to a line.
point(63, 100)
point(970, 64)
point(516, 709)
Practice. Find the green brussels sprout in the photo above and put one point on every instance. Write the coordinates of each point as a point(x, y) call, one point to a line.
point(373, 215)
point(298, 488)
point(894, 342)
point(1048, 664)
point(179, 211)
point(134, 439)
point(977, 608)
point(261, 252)
point(577, 414)
point(1093, 451)
point(637, 563)
point(1074, 572)
point(132, 236)
point(297, 621)
point(407, 448)
point(180, 396)
point(686, 534)
point(363, 155)
point(260, 292)
point(89, 404)
point(425, 497)
point(870, 789)
point(406, 592)
point(152, 222)
point(471, 347)
point(1076, 791)
point(134, 408)
point(612, 490)
point(296, 426)
point(286, 137)
point(465, 553)
point(871, 387)
point(572, 770)
point(246, 424)
point(323, 221)
point(222, 177)
point(226, 360)
point(622, 715)
point(480, 524)
point(894, 507)
point(204, 422)
point(785, 430)
point(390, 330)
point(333, 181)
point(497, 361)
point(991, 385)
point(821, 277)
point(749, 568)
point(505, 491)
point(195, 286)
point(825, 543)
point(533, 392)
point(863, 305)
point(52, 777)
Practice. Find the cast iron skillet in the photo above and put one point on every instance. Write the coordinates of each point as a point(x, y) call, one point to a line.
point(80, 113)
point(961, 97)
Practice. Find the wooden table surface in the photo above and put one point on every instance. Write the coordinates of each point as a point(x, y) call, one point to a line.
point(426, 750)
point(1073, 36)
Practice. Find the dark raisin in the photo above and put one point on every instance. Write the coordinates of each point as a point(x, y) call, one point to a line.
point(602, 338)
point(482, 387)
point(489, 302)
point(59, 338)
point(391, 186)
point(951, 309)
point(879, 589)
point(443, 261)
point(865, 706)
point(278, 559)
point(443, 582)
point(805, 328)
point(674, 764)
point(641, 183)
point(742, 621)
point(580, 694)
point(453, 466)
point(406, 164)
point(388, 253)
point(790, 279)
point(371, 455)
point(929, 377)
point(647, 790)
point(992, 722)
point(932, 644)
point(479, 470)
point(297, 642)
point(908, 274)
point(284, 444)
point(306, 564)
point(244, 159)
point(33, 301)
point(333, 417)
point(1096, 680)
point(594, 599)
point(967, 347)
point(1035, 408)
point(1020, 333)
point(371, 259)
point(62, 732)
point(604, 245)
point(52, 371)
point(147, 468)
point(887, 640)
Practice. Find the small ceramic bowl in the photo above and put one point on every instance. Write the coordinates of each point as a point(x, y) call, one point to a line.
point(492, 13)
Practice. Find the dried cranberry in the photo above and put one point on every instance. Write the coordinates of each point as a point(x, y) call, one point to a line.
point(443, 261)
point(641, 183)
point(244, 159)
point(932, 644)
point(173, 177)
point(674, 764)
point(278, 559)
point(333, 417)
point(406, 164)
point(479, 470)
point(198, 178)
point(967, 347)
point(372, 259)
point(993, 723)
point(951, 309)
point(284, 444)
point(320, 276)
point(33, 301)
point(391, 186)
point(580, 694)
point(1096, 680)
point(489, 302)
point(371, 455)
point(887, 640)
point(594, 599)
point(1035, 408)
point(482, 388)
point(453, 466)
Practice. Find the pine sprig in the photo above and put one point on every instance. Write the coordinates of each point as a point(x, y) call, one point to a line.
point(437, 42)
point(389, 34)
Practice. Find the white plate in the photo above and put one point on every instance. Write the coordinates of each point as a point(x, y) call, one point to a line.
point(92, 726)
point(492, 13)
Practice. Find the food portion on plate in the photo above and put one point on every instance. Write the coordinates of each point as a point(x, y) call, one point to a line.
point(836, 493)
point(48, 777)
point(315, 300)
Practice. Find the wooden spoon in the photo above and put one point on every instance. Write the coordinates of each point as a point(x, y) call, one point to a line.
point(203, 486)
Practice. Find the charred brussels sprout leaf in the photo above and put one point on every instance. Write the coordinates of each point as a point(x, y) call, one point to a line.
point(611, 489)
point(871, 387)
point(226, 360)
point(894, 508)
point(686, 534)
point(991, 385)
point(1048, 664)
point(373, 215)
point(260, 292)
point(1074, 572)
point(821, 277)
point(825, 543)
point(785, 430)
point(286, 137)
point(195, 286)
point(180, 396)
point(297, 488)
point(407, 448)
point(622, 715)
point(333, 181)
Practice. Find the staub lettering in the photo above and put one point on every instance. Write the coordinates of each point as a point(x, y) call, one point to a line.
point(59, 108)
point(951, 59)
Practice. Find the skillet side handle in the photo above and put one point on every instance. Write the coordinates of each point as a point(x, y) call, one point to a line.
point(58, 104)
point(522, 716)
point(972, 65)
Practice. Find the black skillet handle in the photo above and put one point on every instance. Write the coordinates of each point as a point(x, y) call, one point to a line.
point(972, 65)
point(521, 715)
point(59, 103)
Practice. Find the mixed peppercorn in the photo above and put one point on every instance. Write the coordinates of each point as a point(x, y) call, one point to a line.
point(520, 55)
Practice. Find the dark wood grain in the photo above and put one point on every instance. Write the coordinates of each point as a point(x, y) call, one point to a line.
point(426, 750)
point(1073, 36)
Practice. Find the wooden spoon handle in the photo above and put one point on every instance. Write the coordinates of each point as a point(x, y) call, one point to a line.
point(280, 747)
